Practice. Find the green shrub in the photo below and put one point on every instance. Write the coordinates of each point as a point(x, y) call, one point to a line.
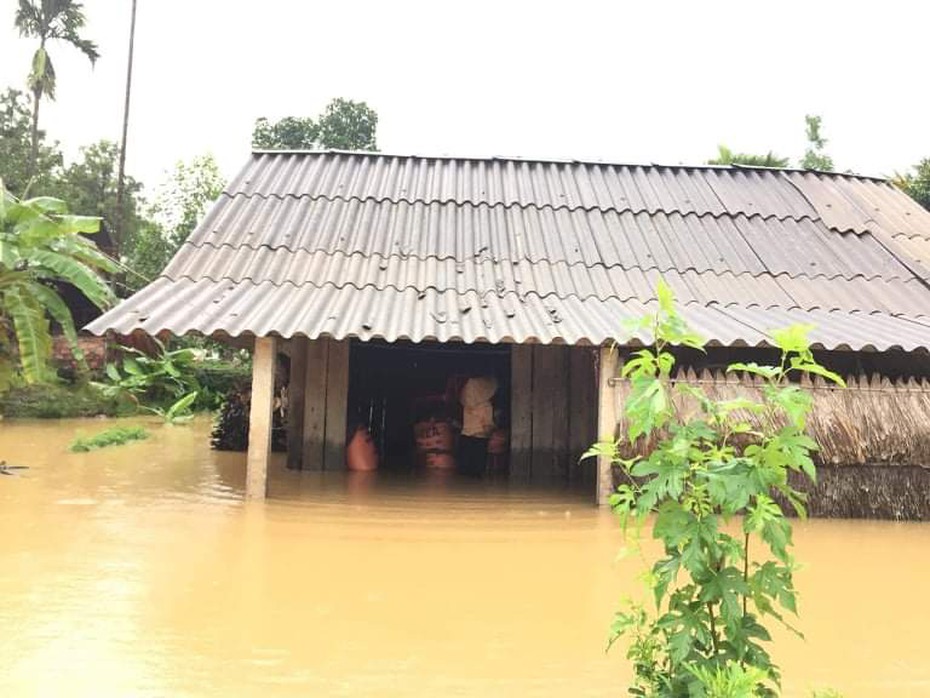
point(59, 401)
point(693, 467)
point(110, 437)
point(218, 379)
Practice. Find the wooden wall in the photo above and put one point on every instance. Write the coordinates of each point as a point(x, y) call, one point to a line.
point(553, 413)
point(317, 395)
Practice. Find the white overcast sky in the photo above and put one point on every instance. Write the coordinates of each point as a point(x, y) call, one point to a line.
point(655, 81)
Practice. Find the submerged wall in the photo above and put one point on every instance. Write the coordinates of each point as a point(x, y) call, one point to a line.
point(874, 438)
point(553, 413)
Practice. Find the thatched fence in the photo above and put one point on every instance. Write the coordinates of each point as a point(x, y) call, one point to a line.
point(874, 438)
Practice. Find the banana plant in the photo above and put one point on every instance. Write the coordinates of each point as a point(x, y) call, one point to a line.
point(179, 412)
point(165, 375)
point(40, 246)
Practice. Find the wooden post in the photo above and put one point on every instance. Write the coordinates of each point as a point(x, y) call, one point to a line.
point(582, 413)
point(264, 359)
point(295, 403)
point(315, 404)
point(606, 419)
point(521, 412)
point(550, 421)
point(337, 404)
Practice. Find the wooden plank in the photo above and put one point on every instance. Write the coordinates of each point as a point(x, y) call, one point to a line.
point(337, 404)
point(608, 369)
point(547, 372)
point(295, 402)
point(582, 413)
point(561, 451)
point(521, 412)
point(264, 358)
point(315, 404)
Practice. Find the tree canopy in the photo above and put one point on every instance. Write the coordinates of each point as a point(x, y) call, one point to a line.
point(814, 157)
point(725, 156)
point(179, 204)
point(15, 146)
point(343, 125)
point(916, 184)
point(49, 20)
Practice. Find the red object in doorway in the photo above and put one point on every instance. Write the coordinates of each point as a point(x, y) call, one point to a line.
point(361, 454)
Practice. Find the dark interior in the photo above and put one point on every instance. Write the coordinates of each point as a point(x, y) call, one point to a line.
point(393, 387)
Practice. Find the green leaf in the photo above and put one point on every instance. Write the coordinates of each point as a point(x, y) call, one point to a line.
point(666, 297)
point(32, 333)
point(76, 273)
point(113, 373)
point(819, 370)
point(178, 409)
point(793, 338)
point(57, 308)
point(754, 368)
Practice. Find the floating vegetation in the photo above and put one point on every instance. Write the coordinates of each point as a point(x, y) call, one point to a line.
point(110, 437)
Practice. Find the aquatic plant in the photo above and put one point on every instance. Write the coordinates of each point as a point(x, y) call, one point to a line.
point(109, 437)
point(709, 476)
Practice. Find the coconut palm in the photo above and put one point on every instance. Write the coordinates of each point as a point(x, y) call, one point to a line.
point(49, 20)
point(40, 247)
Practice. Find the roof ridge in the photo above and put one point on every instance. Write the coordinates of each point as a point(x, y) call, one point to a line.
point(560, 161)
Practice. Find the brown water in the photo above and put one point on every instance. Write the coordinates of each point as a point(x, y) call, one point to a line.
point(139, 571)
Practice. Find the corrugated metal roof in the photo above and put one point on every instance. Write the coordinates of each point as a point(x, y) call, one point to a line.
point(366, 245)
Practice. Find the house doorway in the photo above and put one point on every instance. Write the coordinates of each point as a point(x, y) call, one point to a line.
point(432, 405)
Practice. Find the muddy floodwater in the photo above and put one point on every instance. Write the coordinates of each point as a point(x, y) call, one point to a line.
point(139, 571)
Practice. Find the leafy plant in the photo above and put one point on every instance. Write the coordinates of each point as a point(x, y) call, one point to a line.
point(179, 412)
point(110, 437)
point(708, 481)
point(58, 401)
point(168, 375)
point(41, 245)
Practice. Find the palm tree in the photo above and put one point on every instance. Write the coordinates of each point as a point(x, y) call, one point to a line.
point(49, 20)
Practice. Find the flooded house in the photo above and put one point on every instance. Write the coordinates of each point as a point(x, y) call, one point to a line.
point(391, 290)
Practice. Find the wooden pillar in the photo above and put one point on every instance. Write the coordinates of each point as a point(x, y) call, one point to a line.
point(606, 418)
point(315, 404)
point(582, 413)
point(295, 403)
point(264, 358)
point(521, 412)
point(337, 404)
point(550, 419)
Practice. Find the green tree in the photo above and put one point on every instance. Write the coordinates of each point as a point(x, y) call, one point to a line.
point(343, 125)
point(705, 473)
point(89, 184)
point(290, 133)
point(41, 246)
point(916, 184)
point(49, 20)
point(814, 157)
point(16, 147)
point(725, 156)
point(348, 125)
point(179, 205)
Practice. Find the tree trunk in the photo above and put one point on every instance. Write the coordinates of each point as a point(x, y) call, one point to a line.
point(34, 154)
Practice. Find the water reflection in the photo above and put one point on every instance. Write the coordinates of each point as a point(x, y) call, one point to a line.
point(138, 571)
